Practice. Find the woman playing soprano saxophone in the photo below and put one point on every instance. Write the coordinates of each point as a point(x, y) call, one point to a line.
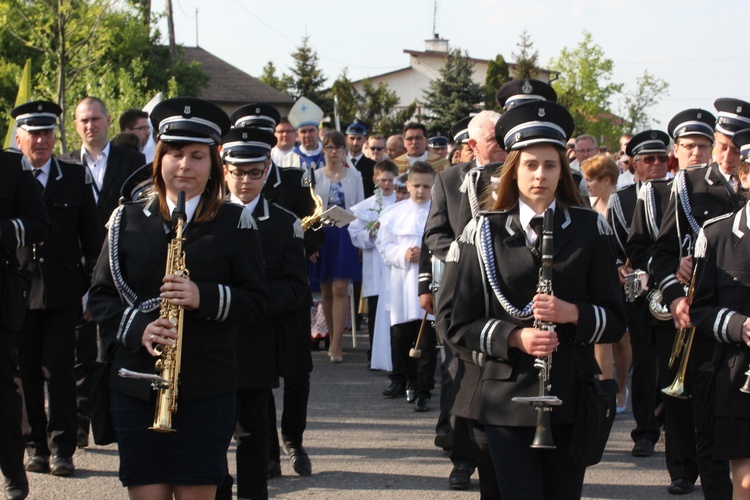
point(720, 310)
point(225, 288)
point(495, 302)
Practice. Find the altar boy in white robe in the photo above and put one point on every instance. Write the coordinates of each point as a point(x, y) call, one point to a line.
point(363, 233)
point(399, 241)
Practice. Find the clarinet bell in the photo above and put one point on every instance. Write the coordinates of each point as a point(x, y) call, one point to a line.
point(543, 435)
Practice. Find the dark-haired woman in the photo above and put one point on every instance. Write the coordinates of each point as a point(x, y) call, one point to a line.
point(495, 302)
point(225, 288)
point(721, 311)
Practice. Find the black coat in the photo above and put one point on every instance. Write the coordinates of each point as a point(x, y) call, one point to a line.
point(288, 293)
point(121, 164)
point(708, 195)
point(620, 215)
point(647, 217)
point(223, 257)
point(722, 303)
point(23, 216)
point(366, 167)
point(61, 266)
point(583, 273)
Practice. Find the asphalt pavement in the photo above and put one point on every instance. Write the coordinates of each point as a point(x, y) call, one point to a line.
point(365, 446)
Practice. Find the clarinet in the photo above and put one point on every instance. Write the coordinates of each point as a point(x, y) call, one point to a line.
point(544, 402)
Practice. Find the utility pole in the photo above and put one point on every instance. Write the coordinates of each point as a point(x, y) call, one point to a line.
point(170, 31)
point(196, 27)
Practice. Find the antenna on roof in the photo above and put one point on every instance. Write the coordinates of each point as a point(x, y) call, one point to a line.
point(434, 19)
point(196, 27)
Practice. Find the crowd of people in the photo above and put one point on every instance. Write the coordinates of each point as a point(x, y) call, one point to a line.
point(532, 266)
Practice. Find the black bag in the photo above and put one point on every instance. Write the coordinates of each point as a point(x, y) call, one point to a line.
point(102, 427)
point(597, 405)
point(14, 294)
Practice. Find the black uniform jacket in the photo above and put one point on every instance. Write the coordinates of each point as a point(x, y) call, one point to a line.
point(23, 216)
point(288, 292)
point(708, 195)
point(287, 187)
point(584, 273)
point(620, 215)
point(647, 217)
point(61, 266)
point(121, 164)
point(223, 259)
point(366, 167)
point(722, 303)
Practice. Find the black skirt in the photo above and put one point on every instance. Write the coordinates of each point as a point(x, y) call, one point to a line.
point(731, 438)
point(196, 454)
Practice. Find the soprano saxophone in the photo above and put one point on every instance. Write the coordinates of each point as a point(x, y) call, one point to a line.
point(170, 356)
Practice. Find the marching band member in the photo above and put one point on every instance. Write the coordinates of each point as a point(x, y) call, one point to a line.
point(494, 302)
point(226, 288)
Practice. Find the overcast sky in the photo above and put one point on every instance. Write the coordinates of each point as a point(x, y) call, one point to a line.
point(699, 47)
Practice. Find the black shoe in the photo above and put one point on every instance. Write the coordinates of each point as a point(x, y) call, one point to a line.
point(82, 440)
point(38, 463)
point(460, 477)
point(17, 488)
point(680, 487)
point(411, 395)
point(274, 469)
point(643, 448)
point(444, 440)
point(300, 461)
point(62, 466)
point(395, 390)
point(422, 404)
point(224, 491)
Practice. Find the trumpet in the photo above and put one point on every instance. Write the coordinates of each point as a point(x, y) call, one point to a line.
point(544, 402)
point(636, 283)
point(683, 343)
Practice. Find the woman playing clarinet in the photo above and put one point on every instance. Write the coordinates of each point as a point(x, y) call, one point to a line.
point(496, 305)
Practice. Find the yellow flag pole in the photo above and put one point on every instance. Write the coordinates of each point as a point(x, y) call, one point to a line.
point(24, 94)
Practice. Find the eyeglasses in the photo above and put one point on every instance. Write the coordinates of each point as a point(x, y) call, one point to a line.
point(376, 148)
point(650, 159)
point(690, 147)
point(284, 131)
point(144, 128)
point(415, 138)
point(331, 149)
point(254, 174)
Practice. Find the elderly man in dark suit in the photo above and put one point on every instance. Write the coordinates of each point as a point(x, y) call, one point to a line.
point(23, 221)
point(109, 166)
point(60, 268)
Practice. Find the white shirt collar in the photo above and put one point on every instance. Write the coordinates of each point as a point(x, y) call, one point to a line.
point(525, 214)
point(251, 206)
point(191, 206)
point(104, 155)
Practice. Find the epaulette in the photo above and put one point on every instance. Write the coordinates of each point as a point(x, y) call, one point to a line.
point(247, 221)
point(298, 232)
point(623, 188)
point(603, 226)
point(696, 167)
point(718, 218)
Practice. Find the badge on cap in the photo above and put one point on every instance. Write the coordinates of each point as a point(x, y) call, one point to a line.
point(526, 88)
point(653, 135)
point(187, 110)
point(541, 112)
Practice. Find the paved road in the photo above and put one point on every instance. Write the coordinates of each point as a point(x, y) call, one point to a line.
point(364, 446)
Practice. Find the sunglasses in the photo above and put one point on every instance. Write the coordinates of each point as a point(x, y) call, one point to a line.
point(650, 159)
point(375, 148)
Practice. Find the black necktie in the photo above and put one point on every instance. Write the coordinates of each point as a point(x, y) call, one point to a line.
point(37, 172)
point(536, 224)
point(354, 162)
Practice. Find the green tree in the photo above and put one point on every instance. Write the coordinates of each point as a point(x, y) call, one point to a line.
point(395, 121)
point(377, 107)
point(307, 78)
point(347, 97)
point(648, 92)
point(526, 59)
point(585, 87)
point(454, 95)
point(269, 78)
point(498, 74)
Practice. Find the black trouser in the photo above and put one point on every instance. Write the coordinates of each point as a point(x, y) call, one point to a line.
point(11, 438)
point(252, 435)
point(46, 346)
point(488, 486)
point(87, 352)
point(419, 373)
point(533, 474)
point(643, 385)
point(296, 363)
point(372, 308)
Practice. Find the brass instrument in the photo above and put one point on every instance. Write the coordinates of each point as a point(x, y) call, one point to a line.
point(683, 343)
point(170, 356)
point(636, 283)
point(543, 403)
point(655, 306)
point(313, 220)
